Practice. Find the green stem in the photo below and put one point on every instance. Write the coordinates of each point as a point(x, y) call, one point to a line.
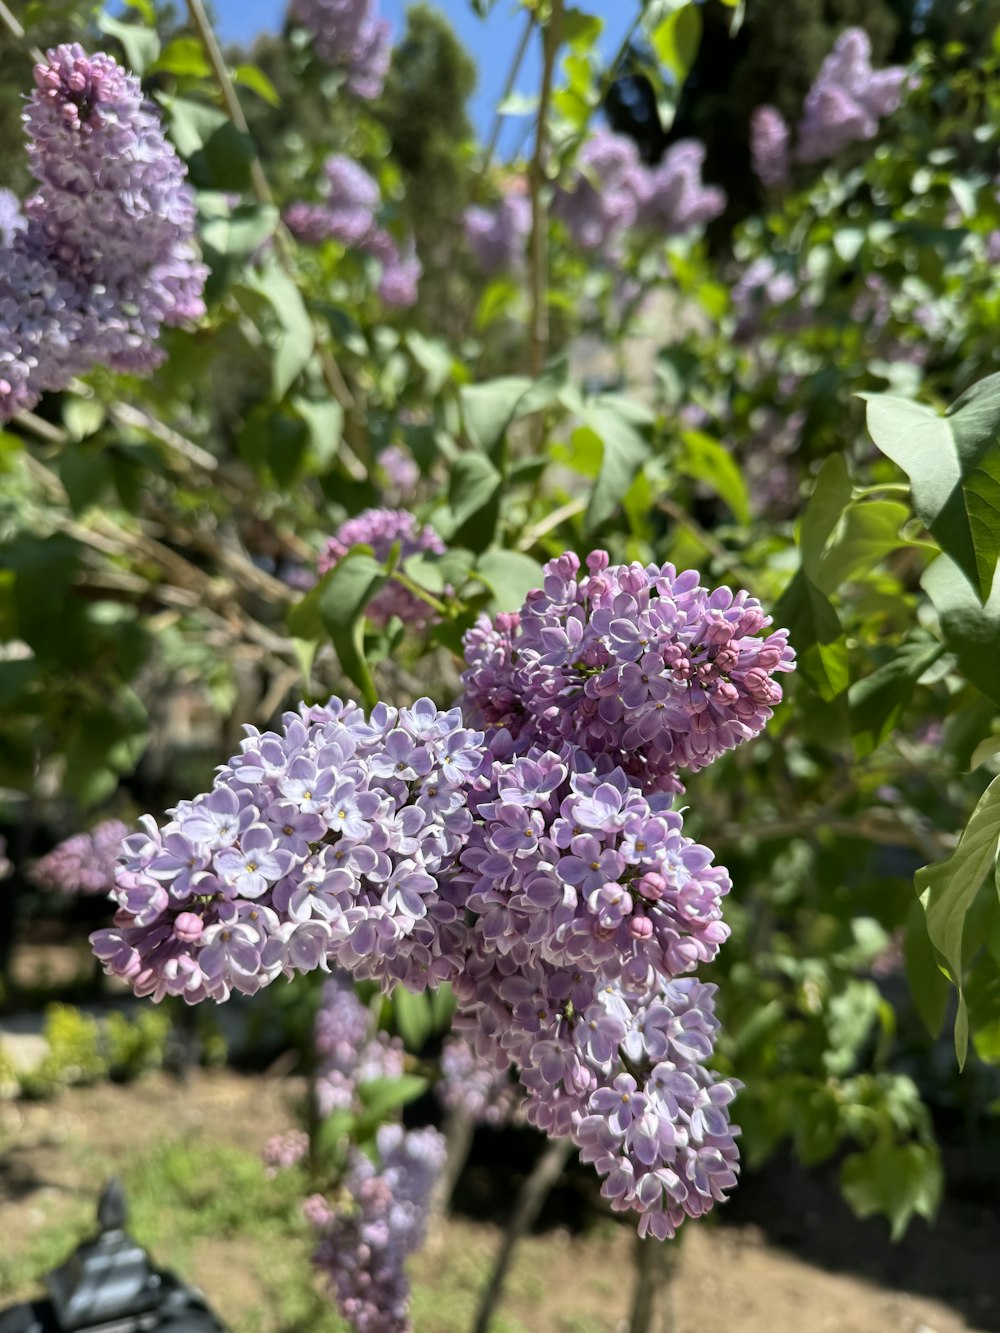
point(422, 593)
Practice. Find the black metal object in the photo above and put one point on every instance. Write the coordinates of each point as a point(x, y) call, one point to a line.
point(108, 1285)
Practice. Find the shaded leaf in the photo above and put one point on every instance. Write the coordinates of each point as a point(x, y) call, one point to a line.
point(705, 459)
point(815, 633)
point(970, 630)
point(896, 1180)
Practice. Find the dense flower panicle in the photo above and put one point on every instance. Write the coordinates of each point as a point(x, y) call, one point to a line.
point(381, 529)
point(84, 863)
point(620, 1065)
point(761, 285)
point(400, 474)
point(12, 220)
point(321, 844)
point(347, 214)
point(847, 99)
point(613, 191)
point(602, 200)
point(472, 1085)
point(380, 1219)
point(283, 1151)
point(349, 35)
point(569, 863)
point(398, 284)
point(349, 1053)
point(644, 665)
point(107, 256)
point(770, 147)
point(497, 236)
point(674, 198)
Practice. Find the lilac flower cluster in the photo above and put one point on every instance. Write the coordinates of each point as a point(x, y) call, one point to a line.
point(349, 35)
point(644, 665)
point(381, 529)
point(106, 257)
point(770, 149)
point(400, 474)
point(348, 1053)
point(283, 1151)
point(847, 99)
point(347, 214)
point(497, 236)
point(85, 863)
point(473, 1085)
point(12, 220)
point(380, 1221)
point(613, 191)
point(322, 843)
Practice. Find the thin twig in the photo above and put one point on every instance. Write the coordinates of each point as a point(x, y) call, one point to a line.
point(531, 535)
point(539, 259)
point(871, 827)
point(14, 27)
point(710, 542)
point(508, 88)
point(656, 1263)
point(533, 1194)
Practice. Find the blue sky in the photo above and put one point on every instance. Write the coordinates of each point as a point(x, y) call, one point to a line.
point(491, 42)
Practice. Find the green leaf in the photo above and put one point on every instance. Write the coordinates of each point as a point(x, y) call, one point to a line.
point(676, 39)
point(140, 43)
point(381, 1096)
point(82, 416)
point(254, 78)
point(896, 1180)
point(489, 409)
point(815, 633)
point(296, 336)
point(708, 461)
point(414, 1019)
point(510, 576)
point(243, 231)
point(984, 751)
point(877, 702)
point(218, 154)
point(473, 485)
point(865, 535)
point(953, 462)
point(830, 495)
point(337, 605)
point(928, 983)
point(948, 888)
point(185, 58)
point(623, 453)
point(970, 630)
point(433, 358)
point(324, 419)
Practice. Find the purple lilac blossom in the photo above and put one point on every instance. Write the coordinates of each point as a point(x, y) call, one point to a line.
point(12, 220)
point(602, 200)
point(497, 236)
point(380, 1219)
point(283, 1151)
point(993, 247)
point(348, 1053)
point(349, 35)
point(400, 277)
point(847, 99)
point(346, 214)
point(321, 844)
point(84, 863)
point(770, 147)
point(642, 664)
point(674, 198)
point(107, 255)
point(400, 474)
point(381, 529)
point(473, 1085)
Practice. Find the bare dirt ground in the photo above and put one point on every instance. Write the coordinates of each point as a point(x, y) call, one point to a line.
point(730, 1278)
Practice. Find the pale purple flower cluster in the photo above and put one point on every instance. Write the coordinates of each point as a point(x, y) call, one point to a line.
point(348, 1053)
point(349, 35)
point(400, 474)
point(644, 665)
point(399, 281)
point(12, 220)
point(613, 191)
point(84, 863)
point(320, 844)
point(107, 255)
point(770, 147)
point(381, 529)
point(847, 99)
point(380, 1220)
point(497, 236)
point(283, 1151)
point(347, 214)
point(473, 1085)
